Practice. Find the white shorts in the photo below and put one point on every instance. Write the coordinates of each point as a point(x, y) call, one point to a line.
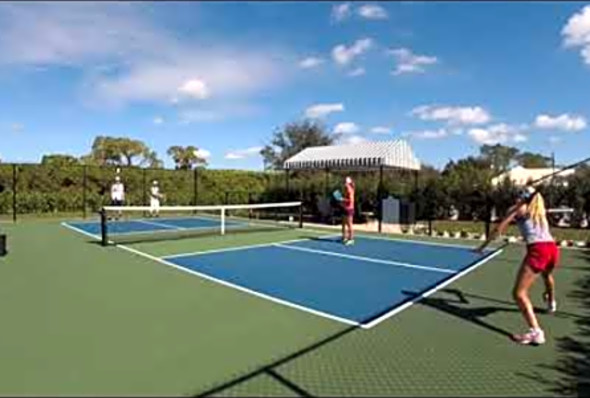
point(154, 203)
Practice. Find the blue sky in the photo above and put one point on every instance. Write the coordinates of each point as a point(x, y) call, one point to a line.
point(447, 77)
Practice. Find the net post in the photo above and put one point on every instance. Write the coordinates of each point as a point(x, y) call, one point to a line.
point(301, 213)
point(14, 192)
point(223, 221)
point(103, 227)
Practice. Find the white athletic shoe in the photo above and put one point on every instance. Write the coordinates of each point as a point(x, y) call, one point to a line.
point(532, 337)
point(551, 305)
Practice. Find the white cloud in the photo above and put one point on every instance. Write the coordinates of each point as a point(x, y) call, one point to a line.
point(310, 62)
point(243, 153)
point(498, 134)
point(381, 130)
point(216, 113)
point(197, 116)
point(519, 137)
point(564, 122)
point(352, 139)
point(346, 128)
point(343, 55)
point(158, 120)
point(357, 72)
point(203, 153)
point(17, 127)
point(125, 57)
point(341, 12)
point(576, 33)
point(408, 62)
point(194, 88)
point(322, 110)
point(453, 114)
point(428, 134)
point(372, 11)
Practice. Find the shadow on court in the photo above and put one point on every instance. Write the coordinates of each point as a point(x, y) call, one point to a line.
point(573, 365)
point(268, 370)
point(458, 306)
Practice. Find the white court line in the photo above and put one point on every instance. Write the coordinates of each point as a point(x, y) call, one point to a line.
point(241, 288)
point(235, 248)
point(389, 237)
point(408, 304)
point(80, 230)
point(287, 303)
point(368, 259)
point(424, 242)
point(157, 224)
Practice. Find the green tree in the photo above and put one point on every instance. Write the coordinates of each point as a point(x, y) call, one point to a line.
point(59, 160)
point(468, 182)
point(291, 139)
point(533, 160)
point(120, 151)
point(185, 158)
point(499, 156)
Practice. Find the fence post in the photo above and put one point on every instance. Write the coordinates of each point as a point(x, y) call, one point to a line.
point(301, 208)
point(287, 185)
point(380, 196)
point(13, 192)
point(195, 186)
point(144, 175)
point(488, 216)
point(84, 188)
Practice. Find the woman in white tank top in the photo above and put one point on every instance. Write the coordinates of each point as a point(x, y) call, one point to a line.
point(542, 257)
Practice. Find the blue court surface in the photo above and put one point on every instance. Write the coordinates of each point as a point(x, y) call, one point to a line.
point(361, 284)
point(123, 226)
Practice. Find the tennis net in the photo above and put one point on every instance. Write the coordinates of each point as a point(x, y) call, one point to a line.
point(131, 224)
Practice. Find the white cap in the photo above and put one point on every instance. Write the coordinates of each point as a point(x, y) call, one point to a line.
point(348, 180)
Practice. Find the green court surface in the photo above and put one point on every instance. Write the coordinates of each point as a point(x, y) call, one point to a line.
point(80, 319)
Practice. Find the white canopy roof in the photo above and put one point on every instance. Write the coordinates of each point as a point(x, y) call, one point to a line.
point(372, 154)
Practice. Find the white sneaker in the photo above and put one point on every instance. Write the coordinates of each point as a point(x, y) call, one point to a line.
point(532, 337)
point(551, 305)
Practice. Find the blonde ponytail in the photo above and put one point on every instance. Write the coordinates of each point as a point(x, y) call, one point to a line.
point(537, 211)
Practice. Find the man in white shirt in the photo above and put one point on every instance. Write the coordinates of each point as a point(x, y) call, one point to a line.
point(155, 197)
point(118, 194)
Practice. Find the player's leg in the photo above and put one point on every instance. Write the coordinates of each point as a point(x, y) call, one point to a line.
point(152, 211)
point(344, 216)
point(157, 208)
point(526, 277)
point(549, 281)
point(349, 222)
point(549, 294)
